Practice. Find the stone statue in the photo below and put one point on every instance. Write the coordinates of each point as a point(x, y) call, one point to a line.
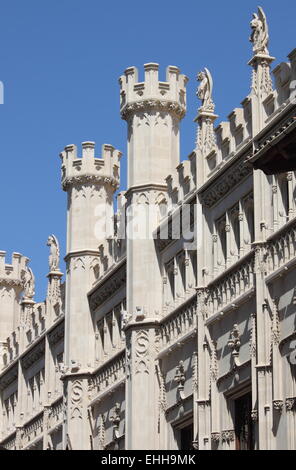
point(29, 283)
point(205, 90)
point(54, 257)
point(259, 37)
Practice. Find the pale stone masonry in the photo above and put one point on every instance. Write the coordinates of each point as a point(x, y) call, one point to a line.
point(172, 342)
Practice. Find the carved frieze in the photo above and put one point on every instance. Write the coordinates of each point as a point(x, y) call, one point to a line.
point(108, 287)
point(79, 180)
point(36, 353)
point(152, 105)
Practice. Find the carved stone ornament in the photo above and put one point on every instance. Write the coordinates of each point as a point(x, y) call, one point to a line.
point(253, 339)
point(254, 415)
point(228, 435)
point(29, 283)
point(153, 104)
point(125, 318)
point(215, 436)
point(259, 37)
point(275, 328)
point(234, 343)
point(205, 90)
point(180, 379)
point(290, 403)
point(195, 445)
point(76, 399)
point(101, 432)
point(142, 352)
point(214, 362)
point(115, 420)
point(278, 405)
point(87, 179)
point(54, 257)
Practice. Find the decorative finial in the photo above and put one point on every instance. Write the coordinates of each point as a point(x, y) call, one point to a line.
point(259, 37)
point(205, 90)
point(29, 283)
point(54, 257)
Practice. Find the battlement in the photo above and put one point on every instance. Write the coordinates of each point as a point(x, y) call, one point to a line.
point(11, 274)
point(170, 95)
point(233, 134)
point(182, 181)
point(86, 169)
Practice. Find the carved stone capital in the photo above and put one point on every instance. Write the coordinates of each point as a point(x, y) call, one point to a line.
point(228, 435)
point(290, 403)
point(215, 436)
point(278, 405)
point(195, 445)
point(254, 415)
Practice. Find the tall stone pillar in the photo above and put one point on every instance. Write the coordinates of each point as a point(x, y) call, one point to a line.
point(261, 88)
point(153, 111)
point(90, 183)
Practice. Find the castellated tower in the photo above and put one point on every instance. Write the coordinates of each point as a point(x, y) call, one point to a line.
point(11, 288)
point(90, 183)
point(153, 110)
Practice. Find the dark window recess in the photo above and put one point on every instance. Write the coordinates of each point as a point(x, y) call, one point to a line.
point(186, 438)
point(243, 423)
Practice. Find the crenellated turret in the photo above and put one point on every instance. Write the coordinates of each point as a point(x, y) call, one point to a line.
point(12, 278)
point(90, 169)
point(90, 183)
point(170, 94)
point(153, 110)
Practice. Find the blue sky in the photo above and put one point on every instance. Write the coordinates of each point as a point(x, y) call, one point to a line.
point(60, 61)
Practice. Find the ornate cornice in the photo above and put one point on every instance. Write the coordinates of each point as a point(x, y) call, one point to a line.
point(110, 285)
point(234, 371)
point(274, 136)
point(79, 180)
point(33, 355)
point(226, 182)
point(8, 377)
point(153, 105)
point(57, 334)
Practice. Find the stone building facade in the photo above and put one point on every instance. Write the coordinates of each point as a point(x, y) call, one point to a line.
point(159, 339)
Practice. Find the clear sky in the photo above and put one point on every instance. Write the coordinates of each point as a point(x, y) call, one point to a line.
point(60, 61)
